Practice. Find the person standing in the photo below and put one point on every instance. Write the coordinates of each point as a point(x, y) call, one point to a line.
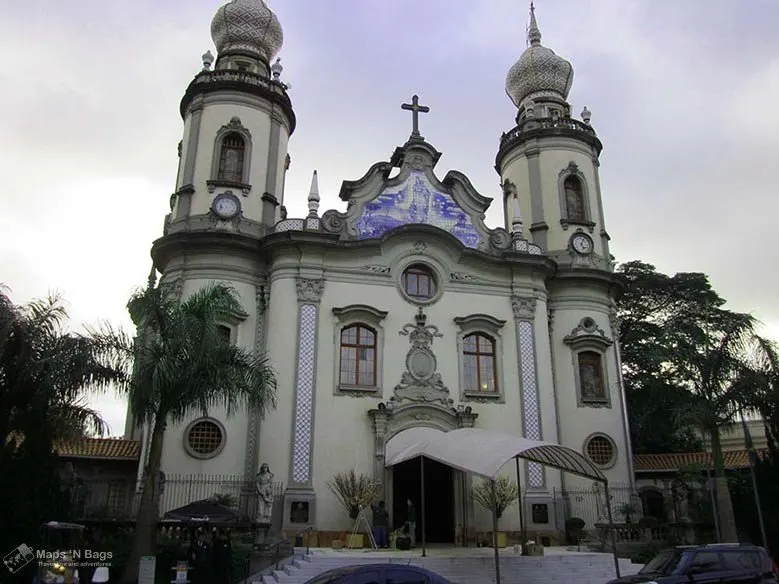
point(411, 519)
point(381, 525)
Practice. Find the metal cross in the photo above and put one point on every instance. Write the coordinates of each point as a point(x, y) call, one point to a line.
point(415, 108)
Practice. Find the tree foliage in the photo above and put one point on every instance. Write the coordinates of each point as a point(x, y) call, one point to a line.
point(180, 365)
point(46, 373)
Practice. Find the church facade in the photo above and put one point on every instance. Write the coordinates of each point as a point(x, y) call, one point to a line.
point(403, 309)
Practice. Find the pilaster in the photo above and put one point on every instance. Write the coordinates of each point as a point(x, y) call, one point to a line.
point(300, 489)
point(262, 298)
point(524, 308)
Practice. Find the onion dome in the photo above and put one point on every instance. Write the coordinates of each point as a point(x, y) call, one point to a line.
point(247, 26)
point(539, 72)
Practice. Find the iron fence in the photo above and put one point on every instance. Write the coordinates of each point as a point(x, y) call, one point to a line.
point(118, 498)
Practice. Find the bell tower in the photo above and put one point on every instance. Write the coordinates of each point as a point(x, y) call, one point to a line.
point(237, 121)
point(549, 160)
point(229, 194)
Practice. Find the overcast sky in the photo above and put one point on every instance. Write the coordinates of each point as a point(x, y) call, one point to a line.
point(683, 96)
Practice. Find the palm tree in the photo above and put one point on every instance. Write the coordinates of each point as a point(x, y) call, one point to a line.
point(718, 367)
point(183, 366)
point(45, 376)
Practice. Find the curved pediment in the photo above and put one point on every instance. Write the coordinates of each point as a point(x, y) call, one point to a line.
point(378, 204)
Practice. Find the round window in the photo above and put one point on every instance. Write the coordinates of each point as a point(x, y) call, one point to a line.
point(418, 283)
point(600, 450)
point(204, 438)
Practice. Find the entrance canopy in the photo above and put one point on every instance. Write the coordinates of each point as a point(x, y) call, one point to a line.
point(484, 453)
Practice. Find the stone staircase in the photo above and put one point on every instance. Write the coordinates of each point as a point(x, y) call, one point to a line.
point(462, 565)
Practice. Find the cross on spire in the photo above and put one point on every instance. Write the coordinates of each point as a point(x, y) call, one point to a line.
point(415, 108)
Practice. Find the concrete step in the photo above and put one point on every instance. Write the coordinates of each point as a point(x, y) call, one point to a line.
point(587, 568)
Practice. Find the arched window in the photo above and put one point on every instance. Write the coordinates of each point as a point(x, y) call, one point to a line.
point(358, 356)
point(231, 158)
point(574, 199)
point(418, 282)
point(479, 371)
point(224, 332)
point(591, 384)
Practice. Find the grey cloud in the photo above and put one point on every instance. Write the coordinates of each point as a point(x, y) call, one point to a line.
point(681, 94)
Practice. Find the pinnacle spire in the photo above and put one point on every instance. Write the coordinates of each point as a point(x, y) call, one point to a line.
point(533, 32)
point(313, 196)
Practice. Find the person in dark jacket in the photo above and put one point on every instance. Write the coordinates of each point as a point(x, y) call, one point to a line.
point(411, 519)
point(381, 525)
point(222, 554)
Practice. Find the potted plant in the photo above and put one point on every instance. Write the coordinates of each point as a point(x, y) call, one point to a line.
point(504, 493)
point(354, 492)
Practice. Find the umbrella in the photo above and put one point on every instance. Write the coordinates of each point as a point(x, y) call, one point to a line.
point(205, 511)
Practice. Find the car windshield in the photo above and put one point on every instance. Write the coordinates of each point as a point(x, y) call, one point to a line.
point(663, 563)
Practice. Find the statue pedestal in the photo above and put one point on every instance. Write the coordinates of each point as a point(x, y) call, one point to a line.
point(261, 536)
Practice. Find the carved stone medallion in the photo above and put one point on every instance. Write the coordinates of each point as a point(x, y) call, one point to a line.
point(420, 382)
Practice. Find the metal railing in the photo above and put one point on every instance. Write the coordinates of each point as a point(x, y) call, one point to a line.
point(118, 498)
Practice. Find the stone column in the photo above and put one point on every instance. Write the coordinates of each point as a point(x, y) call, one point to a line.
point(300, 487)
point(524, 308)
point(380, 418)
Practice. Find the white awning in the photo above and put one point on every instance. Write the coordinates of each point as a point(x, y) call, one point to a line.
point(484, 453)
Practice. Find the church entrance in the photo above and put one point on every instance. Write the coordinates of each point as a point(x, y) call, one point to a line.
point(439, 498)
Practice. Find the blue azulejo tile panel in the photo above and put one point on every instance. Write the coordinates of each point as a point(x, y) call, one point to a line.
point(416, 201)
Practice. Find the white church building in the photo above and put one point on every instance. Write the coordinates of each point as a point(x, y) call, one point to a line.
point(402, 309)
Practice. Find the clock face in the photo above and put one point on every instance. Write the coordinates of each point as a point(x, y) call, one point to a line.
point(226, 206)
point(581, 243)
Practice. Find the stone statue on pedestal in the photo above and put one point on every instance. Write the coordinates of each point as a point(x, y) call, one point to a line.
point(264, 482)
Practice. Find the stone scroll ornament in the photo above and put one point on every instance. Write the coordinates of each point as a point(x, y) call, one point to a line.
point(420, 382)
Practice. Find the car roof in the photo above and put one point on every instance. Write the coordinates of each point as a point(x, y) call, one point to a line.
point(720, 547)
point(365, 567)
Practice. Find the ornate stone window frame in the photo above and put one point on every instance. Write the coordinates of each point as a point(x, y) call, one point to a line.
point(491, 327)
point(370, 317)
point(231, 321)
point(233, 127)
point(573, 170)
point(199, 455)
point(438, 278)
point(588, 337)
point(615, 450)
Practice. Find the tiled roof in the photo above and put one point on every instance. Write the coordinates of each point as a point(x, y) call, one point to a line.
point(673, 462)
point(113, 448)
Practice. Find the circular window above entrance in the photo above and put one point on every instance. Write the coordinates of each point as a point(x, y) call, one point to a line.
point(601, 451)
point(204, 438)
point(419, 284)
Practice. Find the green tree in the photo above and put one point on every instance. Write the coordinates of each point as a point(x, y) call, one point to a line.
point(689, 366)
point(46, 373)
point(651, 309)
point(182, 366)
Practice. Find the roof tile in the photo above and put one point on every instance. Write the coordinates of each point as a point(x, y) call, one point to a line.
point(113, 448)
point(734, 459)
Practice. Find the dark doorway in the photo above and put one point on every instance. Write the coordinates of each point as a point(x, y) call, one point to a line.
point(439, 498)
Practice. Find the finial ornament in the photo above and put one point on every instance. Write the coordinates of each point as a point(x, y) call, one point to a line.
point(415, 108)
point(152, 281)
point(208, 60)
point(276, 69)
point(313, 196)
point(586, 115)
point(516, 221)
point(533, 32)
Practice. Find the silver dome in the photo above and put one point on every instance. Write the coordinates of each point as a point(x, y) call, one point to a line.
point(539, 71)
point(247, 25)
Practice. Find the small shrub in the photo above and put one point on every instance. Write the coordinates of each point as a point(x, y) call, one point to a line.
point(506, 492)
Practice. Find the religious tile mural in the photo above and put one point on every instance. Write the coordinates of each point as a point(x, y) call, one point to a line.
point(416, 201)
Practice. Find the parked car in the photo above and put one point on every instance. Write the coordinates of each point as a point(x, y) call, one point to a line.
point(707, 564)
point(379, 574)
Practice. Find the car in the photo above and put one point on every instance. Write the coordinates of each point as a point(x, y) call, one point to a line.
point(379, 574)
point(707, 564)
